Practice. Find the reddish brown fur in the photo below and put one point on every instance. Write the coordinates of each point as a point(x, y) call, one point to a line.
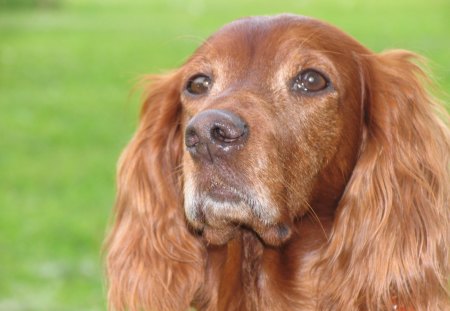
point(359, 174)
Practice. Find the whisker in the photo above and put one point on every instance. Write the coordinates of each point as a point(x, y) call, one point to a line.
point(311, 212)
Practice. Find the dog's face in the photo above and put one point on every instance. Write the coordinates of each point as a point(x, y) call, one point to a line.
point(272, 108)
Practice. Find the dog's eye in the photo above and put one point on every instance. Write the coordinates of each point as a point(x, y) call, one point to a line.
point(310, 81)
point(198, 84)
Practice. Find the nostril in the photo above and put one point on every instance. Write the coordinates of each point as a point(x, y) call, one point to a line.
point(220, 134)
point(228, 133)
point(191, 138)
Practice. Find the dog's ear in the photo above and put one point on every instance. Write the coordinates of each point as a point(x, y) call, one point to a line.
point(392, 230)
point(153, 261)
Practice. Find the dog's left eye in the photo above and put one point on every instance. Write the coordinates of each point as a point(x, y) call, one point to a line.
point(310, 81)
point(199, 84)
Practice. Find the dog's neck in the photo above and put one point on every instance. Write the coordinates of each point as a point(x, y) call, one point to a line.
point(250, 271)
point(252, 259)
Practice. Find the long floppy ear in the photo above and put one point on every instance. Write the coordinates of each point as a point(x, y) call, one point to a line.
point(153, 261)
point(391, 237)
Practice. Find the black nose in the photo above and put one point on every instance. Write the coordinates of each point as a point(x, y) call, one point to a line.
point(215, 133)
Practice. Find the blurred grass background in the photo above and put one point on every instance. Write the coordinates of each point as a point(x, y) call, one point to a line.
point(67, 68)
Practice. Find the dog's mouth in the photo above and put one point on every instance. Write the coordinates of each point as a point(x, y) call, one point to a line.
point(223, 193)
point(221, 211)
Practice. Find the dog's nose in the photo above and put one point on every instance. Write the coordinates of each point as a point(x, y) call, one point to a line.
point(215, 133)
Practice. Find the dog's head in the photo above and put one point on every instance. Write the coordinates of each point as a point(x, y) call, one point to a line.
point(272, 122)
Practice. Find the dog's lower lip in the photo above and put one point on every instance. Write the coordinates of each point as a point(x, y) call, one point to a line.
point(224, 194)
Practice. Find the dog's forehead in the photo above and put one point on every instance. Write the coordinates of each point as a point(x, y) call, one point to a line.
point(271, 39)
point(261, 33)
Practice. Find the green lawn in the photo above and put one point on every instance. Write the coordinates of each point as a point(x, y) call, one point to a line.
point(67, 109)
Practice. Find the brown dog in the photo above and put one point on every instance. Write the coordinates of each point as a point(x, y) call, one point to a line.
point(284, 166)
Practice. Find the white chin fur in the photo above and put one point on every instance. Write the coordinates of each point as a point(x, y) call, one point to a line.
point(252, 205)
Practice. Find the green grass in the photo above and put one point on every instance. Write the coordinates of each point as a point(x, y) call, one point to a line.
point(66, 111)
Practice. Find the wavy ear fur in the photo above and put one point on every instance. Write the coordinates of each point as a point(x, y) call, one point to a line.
point(150, 239)
point(391, 237)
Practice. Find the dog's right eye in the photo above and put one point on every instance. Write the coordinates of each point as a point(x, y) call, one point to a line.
point(198, 84)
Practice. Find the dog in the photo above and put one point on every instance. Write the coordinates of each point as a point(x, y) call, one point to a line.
point(284, 166)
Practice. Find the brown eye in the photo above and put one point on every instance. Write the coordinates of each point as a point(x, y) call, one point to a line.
point(199, 84)
point(310, 81)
